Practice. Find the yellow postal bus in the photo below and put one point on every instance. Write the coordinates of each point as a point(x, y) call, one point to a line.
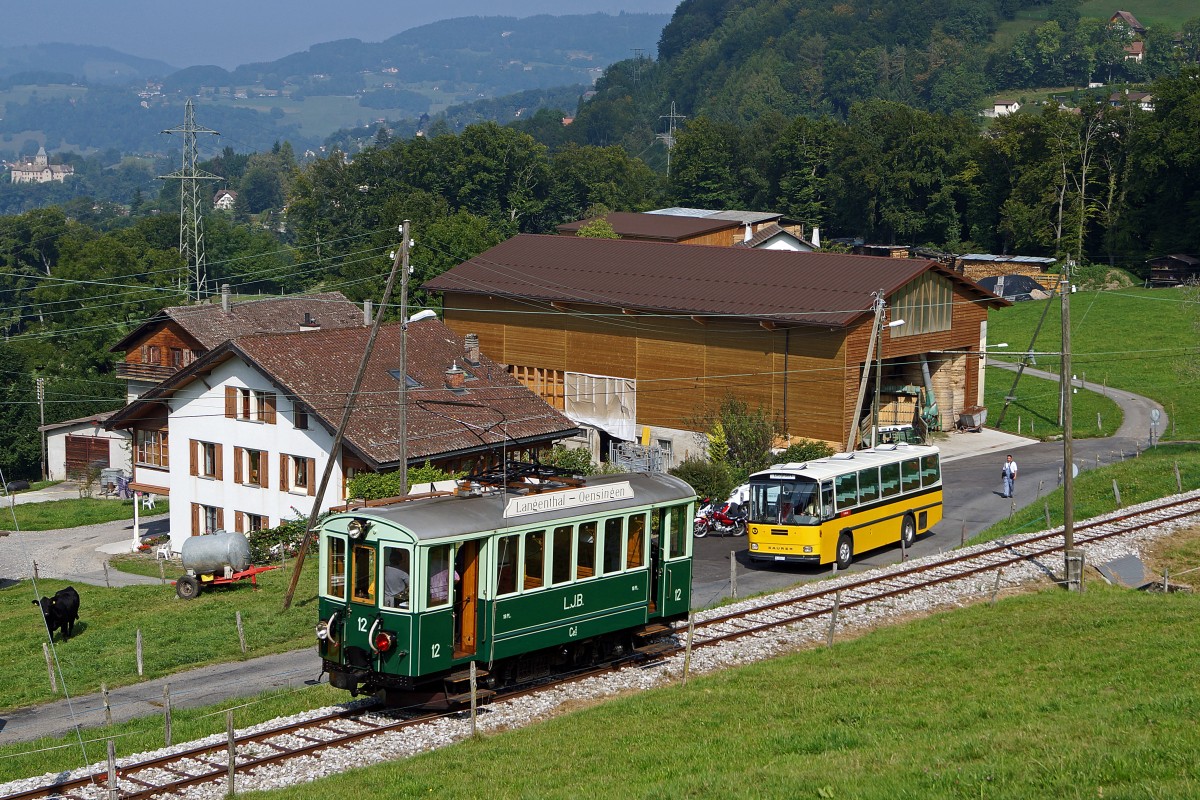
point(832, 509)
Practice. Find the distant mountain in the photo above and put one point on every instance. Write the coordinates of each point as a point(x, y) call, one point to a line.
point(55, 63)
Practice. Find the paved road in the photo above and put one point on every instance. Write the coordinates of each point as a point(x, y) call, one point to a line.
point(972, 486)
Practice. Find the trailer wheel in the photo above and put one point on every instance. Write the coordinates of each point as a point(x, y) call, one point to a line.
point(187, 587)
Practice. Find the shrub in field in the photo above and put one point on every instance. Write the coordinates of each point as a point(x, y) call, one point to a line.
point(264, 543)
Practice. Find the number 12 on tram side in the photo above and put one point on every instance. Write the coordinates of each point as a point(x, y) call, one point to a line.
point(832, 509)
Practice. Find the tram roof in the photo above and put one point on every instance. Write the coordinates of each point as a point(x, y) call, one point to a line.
point(462, 517)
point(841, 463)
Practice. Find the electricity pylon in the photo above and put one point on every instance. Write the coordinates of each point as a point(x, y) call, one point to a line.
point(191, 212)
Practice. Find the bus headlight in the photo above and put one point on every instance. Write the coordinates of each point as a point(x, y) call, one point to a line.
point(808, 548)
point(754, 545)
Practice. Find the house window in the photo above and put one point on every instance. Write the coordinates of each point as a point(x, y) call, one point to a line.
point(296, 474)
point(245, 522)
point(249, 467)
point(209, 462)
point(664, 448)
point(153, 354)
point(206, 519)
point(249, 404)
point(300, 415)
point(152, 449)
point(176, 357)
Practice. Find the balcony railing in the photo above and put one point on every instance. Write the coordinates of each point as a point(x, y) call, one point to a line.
point(144, 372)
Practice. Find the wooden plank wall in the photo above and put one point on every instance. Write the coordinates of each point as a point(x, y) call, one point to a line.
point(165, 337)
point(685, 368)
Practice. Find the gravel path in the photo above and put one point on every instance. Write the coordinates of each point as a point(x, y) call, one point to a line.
point(70, 554)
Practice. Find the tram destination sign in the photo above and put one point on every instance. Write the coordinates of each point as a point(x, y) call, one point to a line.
point(568, 498)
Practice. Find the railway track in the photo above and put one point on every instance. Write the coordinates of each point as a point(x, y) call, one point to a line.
point(170, 774)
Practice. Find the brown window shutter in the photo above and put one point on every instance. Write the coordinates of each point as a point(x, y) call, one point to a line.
point(220, 519)
point(268, 406)
point(231, 398)
point(194, 452)
point(263, 470)
point(219, 467)
point(239, 523)
point(283, 476)
point(312, 477)
point(195, 519)
point(144, 354)
point(237, 464)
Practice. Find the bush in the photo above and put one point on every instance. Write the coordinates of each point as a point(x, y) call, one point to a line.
point(706, 478)
point(578, 460)
point(804, 450)
point(378, 485)
point(289, 535)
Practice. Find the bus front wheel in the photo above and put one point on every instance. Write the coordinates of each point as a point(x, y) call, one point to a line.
point(845, 551)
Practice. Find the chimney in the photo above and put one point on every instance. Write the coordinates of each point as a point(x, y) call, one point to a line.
point(309, 324)
point(471, 343)
point(816, 238)
point(748, 234)
point(455, 378)
point(225, 297)
point(368, 313)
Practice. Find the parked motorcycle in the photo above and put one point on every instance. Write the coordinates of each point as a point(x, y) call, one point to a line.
point(728, 519)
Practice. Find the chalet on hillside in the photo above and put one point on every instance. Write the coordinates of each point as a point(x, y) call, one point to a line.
point(1126, 19)
point(240, 437)
point(1173, 270)
point(640, 339)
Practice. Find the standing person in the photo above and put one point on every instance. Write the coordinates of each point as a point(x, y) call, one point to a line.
point(1009, 472)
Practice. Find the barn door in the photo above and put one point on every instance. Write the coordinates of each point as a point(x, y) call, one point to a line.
point(83, 451)
point(466, 599)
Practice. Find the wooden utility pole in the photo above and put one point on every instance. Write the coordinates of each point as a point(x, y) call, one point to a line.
point(877, 303)
point(351, 398)
point(1070, 556)
point(1012, 392)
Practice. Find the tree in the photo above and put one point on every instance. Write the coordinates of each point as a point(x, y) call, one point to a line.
point(702, 170)
point(598, 228)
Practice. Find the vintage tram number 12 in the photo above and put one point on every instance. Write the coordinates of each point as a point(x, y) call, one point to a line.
point(362, 624)
point(435, 651)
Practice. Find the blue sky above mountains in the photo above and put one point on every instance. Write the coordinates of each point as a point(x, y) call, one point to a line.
point(232, 32)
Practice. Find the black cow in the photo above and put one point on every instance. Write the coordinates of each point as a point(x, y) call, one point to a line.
point(61, 611)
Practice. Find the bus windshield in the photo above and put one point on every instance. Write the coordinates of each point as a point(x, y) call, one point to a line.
point(795, 501)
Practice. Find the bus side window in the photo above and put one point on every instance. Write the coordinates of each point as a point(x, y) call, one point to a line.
point(890, 479)
point(826, 499)
point(930, 472)
point(846, 488)
point(868, 485)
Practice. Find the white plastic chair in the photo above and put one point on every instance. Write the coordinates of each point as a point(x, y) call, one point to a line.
point(163, 552)
point(148, 500)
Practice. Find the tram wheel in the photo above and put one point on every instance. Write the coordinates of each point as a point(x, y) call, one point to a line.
point(845, 551)
point(908, 531)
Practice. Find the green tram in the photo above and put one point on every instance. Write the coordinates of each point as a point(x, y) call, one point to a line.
point(524, 579)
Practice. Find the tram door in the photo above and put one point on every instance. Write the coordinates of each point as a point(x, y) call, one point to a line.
point(466, 599)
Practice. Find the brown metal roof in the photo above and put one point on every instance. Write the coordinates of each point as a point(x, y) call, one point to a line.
point(210, 325)
point(657, 227)
point(318, 368)
point(818, 288)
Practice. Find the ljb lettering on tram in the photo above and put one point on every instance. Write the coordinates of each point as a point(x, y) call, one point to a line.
point(573, 602)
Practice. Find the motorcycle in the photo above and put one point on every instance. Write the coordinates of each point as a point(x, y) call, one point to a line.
point(728, 519)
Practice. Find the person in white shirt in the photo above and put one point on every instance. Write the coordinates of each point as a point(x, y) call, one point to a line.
point(1009, 472)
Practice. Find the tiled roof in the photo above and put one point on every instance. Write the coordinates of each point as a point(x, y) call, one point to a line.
point(209, 325)
point(318, 369)
point(753, 217)
point(768, 232)
point(664, 227)
point(818, 288)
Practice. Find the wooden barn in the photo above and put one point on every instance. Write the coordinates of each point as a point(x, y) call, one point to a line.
point(641, 339)
point(1173, 270)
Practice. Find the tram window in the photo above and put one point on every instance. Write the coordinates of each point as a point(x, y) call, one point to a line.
point(680, 524)
point(930, 470)
point(535, 559)
point(439, 575)
point(846, 489)
point(506, 564)
point(910, 474)
point(868, 485)
point(364, 574)
point(613, 544)
point(560, 555)
point(335, 568)
point(635, 554)
point(395, 577)
point(889, 475)
point(585, 566)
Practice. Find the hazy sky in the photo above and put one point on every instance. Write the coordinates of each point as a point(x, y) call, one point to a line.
point(232, 32)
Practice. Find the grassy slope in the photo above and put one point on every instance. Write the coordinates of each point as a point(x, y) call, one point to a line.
point(1133, 339)
point(1172, 13)
point(1047, 695)
point(58, 514)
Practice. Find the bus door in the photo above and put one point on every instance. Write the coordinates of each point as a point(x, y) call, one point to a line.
point(362, 610)
point(829, 535)
point(466, 599)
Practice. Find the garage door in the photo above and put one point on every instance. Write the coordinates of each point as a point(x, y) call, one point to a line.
point(83, 451)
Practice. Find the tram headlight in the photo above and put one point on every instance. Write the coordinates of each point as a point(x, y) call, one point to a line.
point(384, 641)
point(323, 630)
point(357, 528)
